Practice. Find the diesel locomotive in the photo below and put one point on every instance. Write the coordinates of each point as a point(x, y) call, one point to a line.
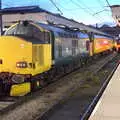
point(32, 54)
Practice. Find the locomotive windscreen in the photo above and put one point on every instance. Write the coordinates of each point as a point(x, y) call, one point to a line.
point(29, 32)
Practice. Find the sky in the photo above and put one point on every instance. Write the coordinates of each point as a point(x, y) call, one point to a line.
point(85, 11)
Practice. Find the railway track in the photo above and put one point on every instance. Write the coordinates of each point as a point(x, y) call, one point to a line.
point(94, 68)
point(47, 114)
point(50, 93)
point(8, 103)
point(91, 107)
point(5, 104)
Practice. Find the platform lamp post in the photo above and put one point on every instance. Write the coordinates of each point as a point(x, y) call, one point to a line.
point(1, 29)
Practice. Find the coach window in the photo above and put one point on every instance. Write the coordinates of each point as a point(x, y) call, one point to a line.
point(87, 45)
point(59, 50)
point(74, 46)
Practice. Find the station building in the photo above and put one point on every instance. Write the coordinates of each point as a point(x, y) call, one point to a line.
point(35, 13)
point(116, 13)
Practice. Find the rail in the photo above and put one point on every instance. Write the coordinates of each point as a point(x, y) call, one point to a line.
point(91, 107)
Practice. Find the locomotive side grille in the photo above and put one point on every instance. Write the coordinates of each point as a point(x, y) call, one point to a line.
point(1, 62)
point(34, 51)
point(38, 54)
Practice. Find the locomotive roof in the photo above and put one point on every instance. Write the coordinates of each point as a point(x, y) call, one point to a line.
point(55, 28)
point(66, 31)
point(59, 31)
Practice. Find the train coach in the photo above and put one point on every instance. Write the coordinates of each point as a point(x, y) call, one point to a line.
point(32, 54)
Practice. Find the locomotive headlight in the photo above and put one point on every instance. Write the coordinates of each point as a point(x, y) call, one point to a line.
point(21, 64)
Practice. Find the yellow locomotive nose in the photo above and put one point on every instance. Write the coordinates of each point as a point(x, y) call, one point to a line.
point(14, 51)
point(15, 55)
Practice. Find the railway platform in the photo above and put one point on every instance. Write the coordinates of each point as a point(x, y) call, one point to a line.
point(108, 106)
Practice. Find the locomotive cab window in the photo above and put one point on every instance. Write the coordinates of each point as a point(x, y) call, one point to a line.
point(29, 32)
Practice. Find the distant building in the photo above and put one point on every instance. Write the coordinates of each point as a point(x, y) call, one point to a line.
point(34, 13)
point(116, 13)
point(114, 31)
